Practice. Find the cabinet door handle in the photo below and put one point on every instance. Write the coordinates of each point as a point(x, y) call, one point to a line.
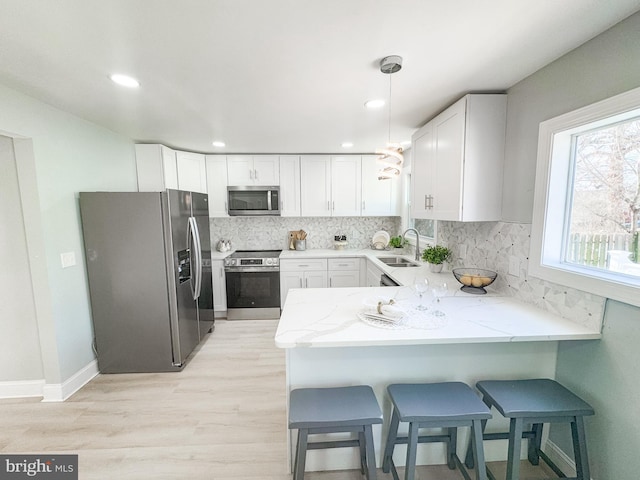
point(329, 282)
point(306, 283)
point(251, 174)
point(255, 174)
point(334, 205)
point(426, 202)
point(328, 205)
point(300, 282)
point(301, 266)
point(363, 206)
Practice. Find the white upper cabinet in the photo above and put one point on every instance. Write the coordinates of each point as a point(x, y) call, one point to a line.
point(315, 185)
point(217, 185)
point(160, 167)
point(156, 168)
point(458, 160)
point(192, 172)
point(244, 170)
point(290, 186)
point(346, 186)
point(379, 197)
point(330, 186)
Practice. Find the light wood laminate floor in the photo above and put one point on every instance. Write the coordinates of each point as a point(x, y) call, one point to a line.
point(222, 417)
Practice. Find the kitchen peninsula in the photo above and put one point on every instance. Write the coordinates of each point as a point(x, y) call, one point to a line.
point(479, 337)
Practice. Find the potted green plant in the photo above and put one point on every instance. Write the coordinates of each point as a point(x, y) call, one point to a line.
point(435, 256)
point(397, 242)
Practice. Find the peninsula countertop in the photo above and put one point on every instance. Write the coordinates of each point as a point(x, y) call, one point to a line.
point(324, 317)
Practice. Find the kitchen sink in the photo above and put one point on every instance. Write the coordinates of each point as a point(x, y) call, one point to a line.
point(397, 262)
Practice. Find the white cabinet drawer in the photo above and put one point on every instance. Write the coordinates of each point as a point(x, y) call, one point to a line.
point(344, 264)
point(289, 265)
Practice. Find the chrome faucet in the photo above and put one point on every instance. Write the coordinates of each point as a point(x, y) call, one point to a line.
point(417, 241)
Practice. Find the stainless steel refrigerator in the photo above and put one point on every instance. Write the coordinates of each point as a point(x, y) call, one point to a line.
point(151, 292)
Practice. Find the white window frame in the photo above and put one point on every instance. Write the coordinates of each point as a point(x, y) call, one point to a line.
point(551, 201)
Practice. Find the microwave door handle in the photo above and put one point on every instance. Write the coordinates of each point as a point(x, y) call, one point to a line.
point(269, 200)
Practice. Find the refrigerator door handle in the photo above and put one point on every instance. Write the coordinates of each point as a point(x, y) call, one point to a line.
point(197, 254)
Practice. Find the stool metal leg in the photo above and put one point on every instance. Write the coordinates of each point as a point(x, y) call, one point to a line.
point(468, 459)
point(534, 444)
point(452, 445)
point(301, 454)
point(515, 445)
point(477, 449)
point(391, 441)
point(363, 453)
point(370, 453)
point(580, 449)
point(412, 447)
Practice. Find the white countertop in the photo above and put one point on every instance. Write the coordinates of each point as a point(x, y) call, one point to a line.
point(325, 317)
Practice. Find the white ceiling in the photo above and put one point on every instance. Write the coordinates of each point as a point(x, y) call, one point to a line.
point(286, 76)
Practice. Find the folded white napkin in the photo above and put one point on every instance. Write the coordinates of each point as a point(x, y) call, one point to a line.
point(383, 307)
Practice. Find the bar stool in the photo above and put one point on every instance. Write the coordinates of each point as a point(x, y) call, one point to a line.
point(435, 405)
point(332, 410)
point(536, 402)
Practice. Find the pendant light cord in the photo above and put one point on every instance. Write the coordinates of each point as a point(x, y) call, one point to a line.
point(389, 139)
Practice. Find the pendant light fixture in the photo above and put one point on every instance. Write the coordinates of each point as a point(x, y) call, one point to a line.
point(390, 157)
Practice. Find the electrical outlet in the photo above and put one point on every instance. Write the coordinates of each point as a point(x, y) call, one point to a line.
point(68, 259)
point(462, 251)
point(514, 266)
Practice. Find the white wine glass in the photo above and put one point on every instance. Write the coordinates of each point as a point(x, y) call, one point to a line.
point(439, 290)
point(421, 286)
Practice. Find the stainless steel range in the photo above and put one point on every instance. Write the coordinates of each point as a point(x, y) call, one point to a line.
point(253, 284)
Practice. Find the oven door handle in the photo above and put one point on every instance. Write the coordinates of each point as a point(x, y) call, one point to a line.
point(251, 269)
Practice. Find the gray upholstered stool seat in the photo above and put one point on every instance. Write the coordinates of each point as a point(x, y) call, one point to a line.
point(435, 405)
point(331, 410)
point(536, 402)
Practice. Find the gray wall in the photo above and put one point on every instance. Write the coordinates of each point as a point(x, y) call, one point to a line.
point(605, 66)
point(62, 155)
point(604, 372)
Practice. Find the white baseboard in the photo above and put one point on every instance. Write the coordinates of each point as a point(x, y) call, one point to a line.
point(561, 459)
point(24, 388)
point(56, 392)
point(59, 392)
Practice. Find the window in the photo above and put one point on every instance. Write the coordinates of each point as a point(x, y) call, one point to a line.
point(587, 200)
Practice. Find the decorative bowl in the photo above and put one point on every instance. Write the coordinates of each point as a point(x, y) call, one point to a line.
point(474, 280)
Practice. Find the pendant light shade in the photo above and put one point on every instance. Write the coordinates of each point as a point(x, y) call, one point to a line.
point(390, 157)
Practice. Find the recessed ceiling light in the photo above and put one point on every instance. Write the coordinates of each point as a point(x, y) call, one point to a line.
point(347, 144)
point(218, 144)
point(374, 103)
point(125, 80)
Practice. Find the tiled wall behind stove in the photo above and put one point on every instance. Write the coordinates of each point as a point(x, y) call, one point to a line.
point(490, 244)
point(263, 233)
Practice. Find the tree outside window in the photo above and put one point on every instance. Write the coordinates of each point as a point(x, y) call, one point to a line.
point(605, 204)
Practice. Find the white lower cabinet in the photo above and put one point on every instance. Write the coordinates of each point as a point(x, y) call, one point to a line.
point(219, 287)
point(344, 272)
point(373, 275)
point(307, 273)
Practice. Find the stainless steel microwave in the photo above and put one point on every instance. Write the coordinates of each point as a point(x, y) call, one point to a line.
point(251, 200)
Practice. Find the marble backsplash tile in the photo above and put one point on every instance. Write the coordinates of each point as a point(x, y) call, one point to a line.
point(491, 244)
point(256, 233)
